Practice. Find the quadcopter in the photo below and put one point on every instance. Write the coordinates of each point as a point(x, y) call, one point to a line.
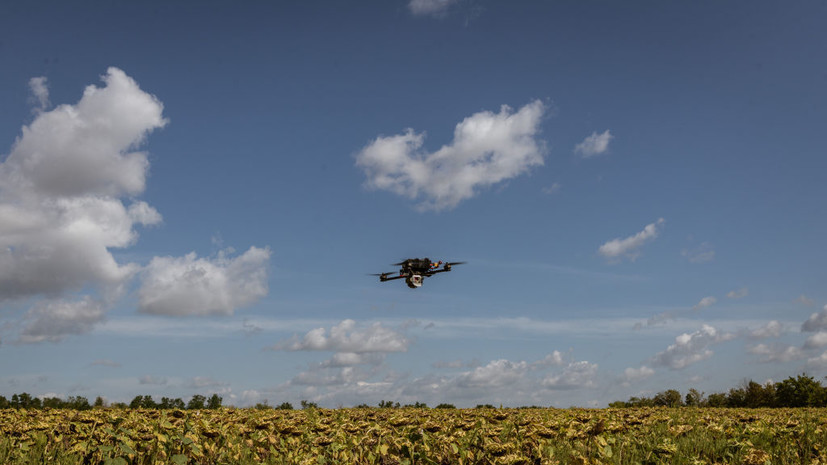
point(414, 270)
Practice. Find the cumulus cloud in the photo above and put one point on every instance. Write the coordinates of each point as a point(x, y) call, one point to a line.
point(574, 376)
point(816, 322)
point(631, 375)
point(429, 7)
point(818, 362)
point(705, 302)
point(595, 144)
point(488, 148)
point(816, 341)
point(701, 254)
point(776, 353)
point(690, 348)
point(629, 247)
point(346, 337)
point(770, 330)
point(61, 190)
point(52, 320)
point(190, 285)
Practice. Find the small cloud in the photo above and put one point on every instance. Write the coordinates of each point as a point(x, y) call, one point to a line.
point(738, 293)
point(703, 253)
point(430, 7)
point(770, 330)
point(595, 144)
point(40, 92)
point(576, 375)
point(705, 302)
point(818, 362)
point(631, 375)
point(346, 337)
point(776, 353)
point(689, 348)
point(816, 341)
point(192, 286)
point(552, 189)
point(488, 148)
point(816, 322)
point(804, 300)
point(629, 247)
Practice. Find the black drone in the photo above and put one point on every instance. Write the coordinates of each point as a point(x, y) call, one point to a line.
point(414, 270)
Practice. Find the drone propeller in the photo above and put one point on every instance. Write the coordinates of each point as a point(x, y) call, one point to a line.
point(455, 263)
point(382, 274)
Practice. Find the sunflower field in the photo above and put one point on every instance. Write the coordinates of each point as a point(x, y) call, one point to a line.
point(414, 436)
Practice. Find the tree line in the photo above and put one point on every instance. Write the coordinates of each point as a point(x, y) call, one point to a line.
point(799, 391)
point(27, 401)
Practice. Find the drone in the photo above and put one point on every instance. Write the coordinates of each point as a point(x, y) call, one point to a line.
point(414, 270)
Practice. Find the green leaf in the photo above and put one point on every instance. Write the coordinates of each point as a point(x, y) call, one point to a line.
point(179, 459)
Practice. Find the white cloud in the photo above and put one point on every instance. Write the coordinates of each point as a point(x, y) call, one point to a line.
point(776, 353)
point(705, 302)
point(487, 148)
point(347, 338)
point(429, 7)
point(816, 341)
point(818, 362)
point(804, 300)
point(690, 348)
point(40, 92)
point(771, 329)
point(52, 320)
point(576, 375)
point(816, 322)
point(631, 375)
point(552, 189)
point(495, 373)
point(204, 286)
point(595, 144)
point(629, 247)
point(738, 293)
point(701, 254)
point(61, 186)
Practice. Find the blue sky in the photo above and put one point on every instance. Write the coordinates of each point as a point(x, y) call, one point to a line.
point(192, 195)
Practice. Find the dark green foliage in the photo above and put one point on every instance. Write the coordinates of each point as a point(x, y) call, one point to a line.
point(801, 391)
point(197, 402)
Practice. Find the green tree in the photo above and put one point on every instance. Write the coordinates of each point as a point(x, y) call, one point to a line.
point(306, 404)
point(214, 402)
point(669, 398)
point(716, 399)
point(694, 398)
point(4, 403)
point(197, 402)
point(99, 402)
point(801, 391)
point(78, 403)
